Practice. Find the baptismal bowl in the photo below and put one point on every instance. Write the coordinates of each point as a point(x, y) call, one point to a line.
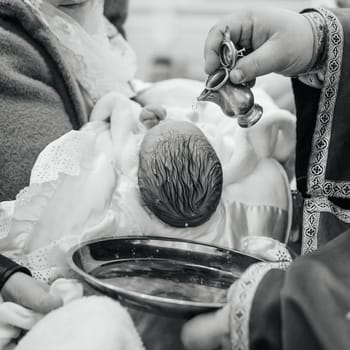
point(171, 277)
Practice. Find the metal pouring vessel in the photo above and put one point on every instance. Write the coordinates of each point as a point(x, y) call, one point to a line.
point(235, 100)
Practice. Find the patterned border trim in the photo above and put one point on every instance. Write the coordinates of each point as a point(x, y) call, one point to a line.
point(240, 298)
point(311, 219)
point(318, 25)
point(312, 210)
point(317, 184)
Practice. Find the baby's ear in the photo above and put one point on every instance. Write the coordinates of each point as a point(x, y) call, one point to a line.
point(151, 115)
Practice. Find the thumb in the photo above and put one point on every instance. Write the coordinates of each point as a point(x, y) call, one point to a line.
point(26, 291)
point(35, 295)
point(259, 62)
point(206, 331)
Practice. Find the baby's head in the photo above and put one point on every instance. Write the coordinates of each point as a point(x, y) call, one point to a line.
point(179, 175)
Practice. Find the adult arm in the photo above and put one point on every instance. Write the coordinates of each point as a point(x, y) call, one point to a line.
point(8, 268)
point(308, 305)
point(17, 286)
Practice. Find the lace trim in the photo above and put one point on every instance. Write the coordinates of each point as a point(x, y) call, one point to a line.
point(100, 65)
point(6, 212)
point(266, 248)
point(66, 157)
point(63, 156)
point(100, 62)
point(43, 262)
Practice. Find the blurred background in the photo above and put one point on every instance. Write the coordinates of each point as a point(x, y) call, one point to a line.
point(168, 35)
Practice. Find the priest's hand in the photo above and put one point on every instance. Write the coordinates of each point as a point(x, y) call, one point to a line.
point(212, 331)
point(24, 290)
point(207, 331)
point(280, 41)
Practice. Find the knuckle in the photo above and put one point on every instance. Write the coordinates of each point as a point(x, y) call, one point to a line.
point(256, 67)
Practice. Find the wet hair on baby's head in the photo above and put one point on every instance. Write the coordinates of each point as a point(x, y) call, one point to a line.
point(181, 180)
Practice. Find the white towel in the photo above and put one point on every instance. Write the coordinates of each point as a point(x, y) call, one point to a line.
point(94, 322)
point(15, 318)
point(90, 323)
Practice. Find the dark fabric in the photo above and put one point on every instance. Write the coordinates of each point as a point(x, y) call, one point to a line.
point(330, 227)
point(266, 324)
point(117, 12)
point(306, 102)
point(305, 307)
point(8, 268)
point(39, 98)
point(338, 165)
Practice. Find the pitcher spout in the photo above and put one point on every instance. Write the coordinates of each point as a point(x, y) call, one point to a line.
point(234, 100)
point(210, 96)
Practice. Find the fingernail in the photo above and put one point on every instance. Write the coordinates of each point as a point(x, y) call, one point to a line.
point(237, 76)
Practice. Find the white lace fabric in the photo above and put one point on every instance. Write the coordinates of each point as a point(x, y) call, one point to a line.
point(102, 60)
point(62, 205)
point(77, 193)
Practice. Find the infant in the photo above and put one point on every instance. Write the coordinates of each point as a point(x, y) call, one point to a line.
point(176, 171)
point(195, 170)
point(179, 174)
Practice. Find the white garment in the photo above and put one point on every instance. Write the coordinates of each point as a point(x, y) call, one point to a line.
point(100, 58)
point(76, 192)
point(76, 325)
point(256, 196)
point(63, 199)
point(89, 323)
point(14, 318)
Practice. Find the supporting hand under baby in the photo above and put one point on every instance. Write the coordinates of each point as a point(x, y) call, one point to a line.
point(24, 290)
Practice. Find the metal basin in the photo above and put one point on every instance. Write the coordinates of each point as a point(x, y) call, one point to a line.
point(166, 276)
